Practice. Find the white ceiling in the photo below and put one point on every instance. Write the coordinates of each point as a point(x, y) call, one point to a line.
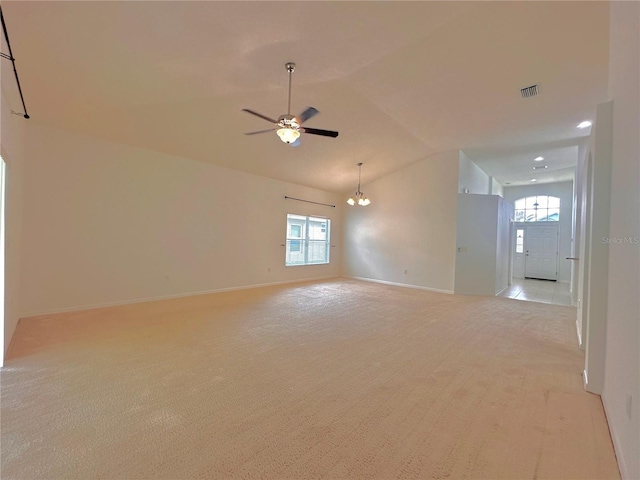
point(399, 80)
point(515, 165)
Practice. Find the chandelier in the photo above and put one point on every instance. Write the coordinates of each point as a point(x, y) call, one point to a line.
point(359, 197)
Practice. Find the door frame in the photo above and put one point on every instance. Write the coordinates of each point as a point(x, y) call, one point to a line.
point(515, 226)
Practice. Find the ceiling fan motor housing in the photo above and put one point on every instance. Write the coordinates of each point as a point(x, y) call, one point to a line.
point(288, 121)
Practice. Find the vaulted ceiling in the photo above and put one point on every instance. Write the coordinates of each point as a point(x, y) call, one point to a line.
point(399, 80)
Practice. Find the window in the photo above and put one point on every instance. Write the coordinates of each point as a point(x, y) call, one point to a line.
point(308, 240)
point(539, 208)
point(519, 240)
point(295, 231)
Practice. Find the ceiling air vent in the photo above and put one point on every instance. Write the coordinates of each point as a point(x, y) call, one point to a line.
point(531, 91)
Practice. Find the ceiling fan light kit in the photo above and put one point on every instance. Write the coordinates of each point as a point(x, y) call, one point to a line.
point(288, 135)
point(289, 127)
point(359, 198)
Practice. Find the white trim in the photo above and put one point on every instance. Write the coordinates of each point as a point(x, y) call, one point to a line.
point(585, 380)
point(579, 332)
point(167, 297)
point(617, 446)
point(396, 284)
point(505, 288)
point(2, 259)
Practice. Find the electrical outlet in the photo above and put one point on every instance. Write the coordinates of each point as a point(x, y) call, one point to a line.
point(629, 403)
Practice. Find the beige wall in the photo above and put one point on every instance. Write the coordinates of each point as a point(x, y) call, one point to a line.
point(410, 225)
point(621, 395)
point(106, 223)
point(12, 136)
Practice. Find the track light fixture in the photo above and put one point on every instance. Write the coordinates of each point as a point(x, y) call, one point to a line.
point(359, 197)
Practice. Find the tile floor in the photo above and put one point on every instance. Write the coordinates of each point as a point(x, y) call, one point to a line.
point(542, 291)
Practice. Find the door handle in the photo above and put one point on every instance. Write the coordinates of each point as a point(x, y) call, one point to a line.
point(572, 258)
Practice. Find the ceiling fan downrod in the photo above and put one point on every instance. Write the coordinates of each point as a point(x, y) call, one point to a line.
point(290, 66)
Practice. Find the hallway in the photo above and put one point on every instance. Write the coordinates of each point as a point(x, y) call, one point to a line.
point(542, 291)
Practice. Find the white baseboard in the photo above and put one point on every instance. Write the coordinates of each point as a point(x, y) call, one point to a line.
point(617, 448)
point(396, 284)
point(505, 288)
point(166, 297)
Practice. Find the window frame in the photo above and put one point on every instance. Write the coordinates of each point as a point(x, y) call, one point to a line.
point(520, 236)
point(530, 213)
point(306, 241)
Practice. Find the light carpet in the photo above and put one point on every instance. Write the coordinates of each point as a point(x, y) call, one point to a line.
point(335, 379)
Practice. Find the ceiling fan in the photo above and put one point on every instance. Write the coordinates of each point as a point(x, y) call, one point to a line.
point(289, 127)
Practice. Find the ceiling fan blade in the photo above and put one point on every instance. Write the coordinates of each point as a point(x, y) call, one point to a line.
point(317, 131)
point(306, 115)
point(260, 115)
point(261, 131)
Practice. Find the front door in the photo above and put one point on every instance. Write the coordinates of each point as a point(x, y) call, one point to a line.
point(541, 252)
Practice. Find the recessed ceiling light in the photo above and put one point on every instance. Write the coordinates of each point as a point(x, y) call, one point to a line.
point(540, 167)
point(534, 180)
point(584, 124)
point(538, 159)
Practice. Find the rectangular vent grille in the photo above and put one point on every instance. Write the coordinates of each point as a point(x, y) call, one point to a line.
point(531, 91)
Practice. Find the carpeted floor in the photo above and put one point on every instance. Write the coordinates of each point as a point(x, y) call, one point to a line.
point(337, 379)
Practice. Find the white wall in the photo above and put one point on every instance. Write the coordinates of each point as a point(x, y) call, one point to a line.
point(107, 223)
point(563, 190)
point(503, 244)
point(476, 240)
point(482, 244)
point(578, 220)
point(597, 267)
point(496, 188)
point(410, 225)
point(622, 363)
point(472, 177)
point(581, 240)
